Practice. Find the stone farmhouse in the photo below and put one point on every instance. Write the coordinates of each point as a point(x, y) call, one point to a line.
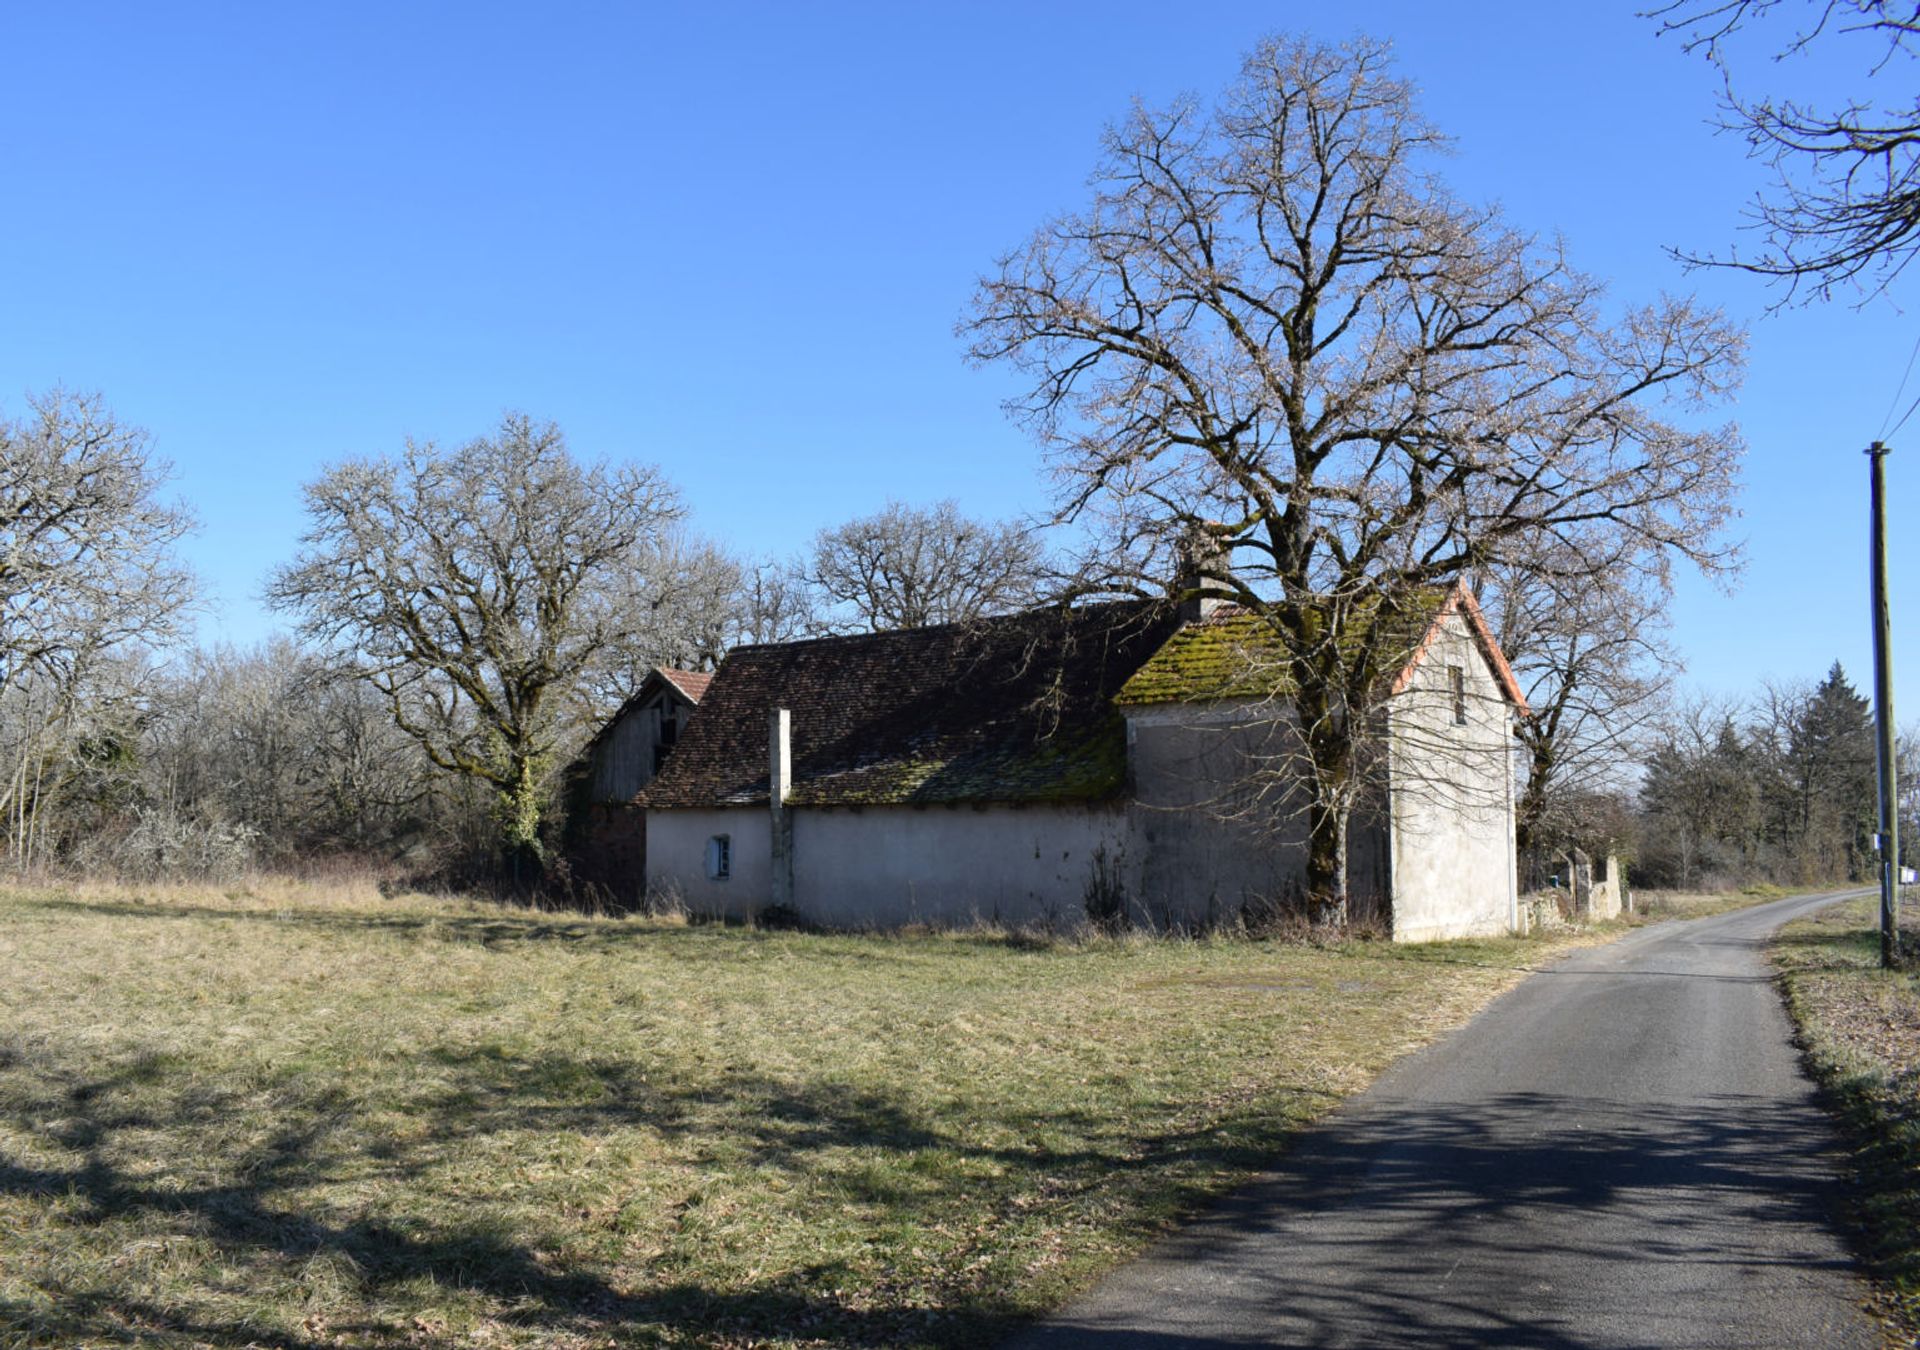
point(1038, 767)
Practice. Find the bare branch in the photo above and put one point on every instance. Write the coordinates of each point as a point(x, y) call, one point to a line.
point(1843, 211)
point(1274, 324)
point(479, 590)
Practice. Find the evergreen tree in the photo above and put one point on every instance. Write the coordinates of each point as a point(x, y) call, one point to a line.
point(1832, 756)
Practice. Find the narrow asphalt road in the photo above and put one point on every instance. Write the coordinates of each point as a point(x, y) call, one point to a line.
point(1622, 1151)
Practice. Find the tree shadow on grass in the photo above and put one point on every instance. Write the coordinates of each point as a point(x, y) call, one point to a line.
point(1431, 1184)
point(1416, 1189)
point(252, 1207)
point(246, 1220)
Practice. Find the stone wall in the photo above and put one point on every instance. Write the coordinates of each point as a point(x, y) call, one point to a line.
point(1598, 885)
point(607, 851)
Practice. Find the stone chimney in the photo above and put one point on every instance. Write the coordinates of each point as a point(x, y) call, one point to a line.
point(779, 783)
point(1199, 552)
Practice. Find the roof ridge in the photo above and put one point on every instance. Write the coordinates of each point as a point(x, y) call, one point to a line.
point(983, 621)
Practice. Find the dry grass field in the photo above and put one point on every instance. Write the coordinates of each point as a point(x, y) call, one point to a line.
point(277, 1115)
point(1860, 1027)
point(1653, 906)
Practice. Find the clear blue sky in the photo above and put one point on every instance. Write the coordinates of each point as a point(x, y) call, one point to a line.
point(733, 240)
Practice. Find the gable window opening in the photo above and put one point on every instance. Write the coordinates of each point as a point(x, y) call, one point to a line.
point(719, 857)
point(1457, 677)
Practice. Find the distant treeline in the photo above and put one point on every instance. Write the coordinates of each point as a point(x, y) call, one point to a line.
point(1780, 788)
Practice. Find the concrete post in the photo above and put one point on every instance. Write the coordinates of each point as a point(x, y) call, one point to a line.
point(1581, 883)
point(779, 783)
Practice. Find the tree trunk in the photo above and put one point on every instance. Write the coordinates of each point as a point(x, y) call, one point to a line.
point(1328, 767)
point(1532, 806)
point(519, 806)
point(1327, 897)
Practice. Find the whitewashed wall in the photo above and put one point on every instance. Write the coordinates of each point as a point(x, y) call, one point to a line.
point(676, 858)
point(1452, 798)
point(886, 866)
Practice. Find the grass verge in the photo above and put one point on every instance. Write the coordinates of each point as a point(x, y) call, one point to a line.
point(1860, 1026)
point(277, 1115)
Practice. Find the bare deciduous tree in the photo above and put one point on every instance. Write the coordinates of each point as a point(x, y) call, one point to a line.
point(774, 604)
point(909, 568)
point(1779, 788)
point(65, 732)
point(89, 579)
point(676, 607)
point(1701, 793)
point(283, 751)
point(87, 547)
point(476, 589)
point(1844, 206)
point(1274, 324)
point(1588, 648)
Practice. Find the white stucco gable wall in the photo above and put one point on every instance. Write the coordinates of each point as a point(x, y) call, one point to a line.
point(1451, 787)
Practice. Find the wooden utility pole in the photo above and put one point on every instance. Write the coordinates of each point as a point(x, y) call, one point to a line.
point(1883, 719)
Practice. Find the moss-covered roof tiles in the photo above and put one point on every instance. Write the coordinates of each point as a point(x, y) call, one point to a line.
point(1234, 654)
point(1023, 708)
point(1012, 709)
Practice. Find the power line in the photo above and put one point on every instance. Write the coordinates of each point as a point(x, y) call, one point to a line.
point(1894, 402)
point(1889, 435)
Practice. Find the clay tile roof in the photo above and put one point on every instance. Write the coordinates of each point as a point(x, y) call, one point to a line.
point(1460, 598)
point(692, 683)
point(1011, 709)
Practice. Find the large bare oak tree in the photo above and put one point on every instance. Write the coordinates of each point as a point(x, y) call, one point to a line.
point(1274, 324)
point(88, 557)
point(478, 589)
point(1588, 646)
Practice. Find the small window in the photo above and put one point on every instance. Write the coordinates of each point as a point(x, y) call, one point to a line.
point(719, 857)
point(1458, 677)
point(669, 726)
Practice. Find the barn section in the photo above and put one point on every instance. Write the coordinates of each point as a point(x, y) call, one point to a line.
point(1032, 768)
point(606, 836)
point(942, 775)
